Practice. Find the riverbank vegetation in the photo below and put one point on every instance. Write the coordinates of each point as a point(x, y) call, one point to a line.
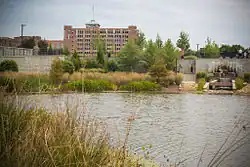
point(36, 137)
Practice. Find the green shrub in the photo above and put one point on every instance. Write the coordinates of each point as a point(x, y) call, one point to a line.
point(32, 83)
point(158, 71)
point(201, 83)
point(140, 86)
point(68, 66)
point(8, 65)
point(92, 64)
point(89, 85)
point(239, 83)
point(178, 79)
point(113, 66)
point(201, 75)
point(169, 80)
point(56, 71)
point(247, 77)
point(190, 58)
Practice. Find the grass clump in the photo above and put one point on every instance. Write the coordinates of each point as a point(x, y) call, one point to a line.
point(35, 137)
point(201, 83)
point(141, 86)
point(89, 85)
point(239, 83)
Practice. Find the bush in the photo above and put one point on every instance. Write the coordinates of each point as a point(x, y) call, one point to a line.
point(68, 66)
point(8, 65)
point(190, 58)
point(56, 71)
point(89, 85)
point(201, 75)
point(239, 83)
point(113, 66)
point(247, 77)
point(92, 64)
point(140, 86)
point(100, 70)
point(201, 83)
point(158, 71)
point(178, 79)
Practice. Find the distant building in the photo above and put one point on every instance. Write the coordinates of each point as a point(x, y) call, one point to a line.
point(55, 44)
point(16, 41)
point(82, 40)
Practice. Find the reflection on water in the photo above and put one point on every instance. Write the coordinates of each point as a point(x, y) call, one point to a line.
point(178, 126)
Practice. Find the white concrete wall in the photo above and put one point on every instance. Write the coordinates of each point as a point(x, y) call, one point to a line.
point(32, 63)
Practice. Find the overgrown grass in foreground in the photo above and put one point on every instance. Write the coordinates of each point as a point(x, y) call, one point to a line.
point(39, 138)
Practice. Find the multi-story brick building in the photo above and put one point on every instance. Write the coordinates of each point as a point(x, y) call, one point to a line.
point(83, 40)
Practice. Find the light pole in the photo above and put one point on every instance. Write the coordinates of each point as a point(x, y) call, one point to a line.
point(22, 26)
point(198, 53)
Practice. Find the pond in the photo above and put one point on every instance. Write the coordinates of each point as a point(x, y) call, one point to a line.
point(178, 126)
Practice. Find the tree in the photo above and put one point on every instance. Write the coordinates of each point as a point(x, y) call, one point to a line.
point(101, 51)
point(171, 54)
point(141, 40)
point(76, 61)
point(147, 59)
point(183, 41)
point(158, 70)
point(28, 43)
point(66, 51)
point(237, 48)
point(56, 71)
point(50, 51)
point(43, 45)
point(68, 66)
point(158, 41)
point(129, 57)
point(211, 49)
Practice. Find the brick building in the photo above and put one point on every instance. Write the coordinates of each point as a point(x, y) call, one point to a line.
point(55, 44)
point(83, 40)
point(16, 41)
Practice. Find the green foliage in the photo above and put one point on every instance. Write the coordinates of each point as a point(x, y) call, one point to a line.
point(101, 52)
point(178, 78)
point(43, 47)
point(28, 43)
point(113, 66)
point(66, 51)
point(129, 57)
point(76, 61)
point(190, 58)
point(158, 41)
point(68, 66)
point(29, 83)
point(236, 48)
point(247, 77)
point(239, 83)
point(158, 71)
point(171, 54)
point(201, 75)
point(141, 40)
point(89, 85)
point(8, 65)
point(140, 86)
point(50, 51)
point(211, 49)
point(183, 41)
point(56, 71)
point(201, 83)
point(92, 64)
point(97, 70)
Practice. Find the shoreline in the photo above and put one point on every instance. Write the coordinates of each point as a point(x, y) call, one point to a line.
point(210, 92)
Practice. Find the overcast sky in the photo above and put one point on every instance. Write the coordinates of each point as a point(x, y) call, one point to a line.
point(225, 21)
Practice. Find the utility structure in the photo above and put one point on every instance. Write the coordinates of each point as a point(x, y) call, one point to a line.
point(22, 26)
point(197, 49)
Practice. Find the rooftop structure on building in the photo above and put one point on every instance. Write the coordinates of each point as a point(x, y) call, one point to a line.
point(82, 40)
point(16, 41)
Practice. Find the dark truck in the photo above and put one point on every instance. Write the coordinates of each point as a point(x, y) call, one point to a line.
point(221, 83)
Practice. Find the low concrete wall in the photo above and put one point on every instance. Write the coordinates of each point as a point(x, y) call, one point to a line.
point(32, 63)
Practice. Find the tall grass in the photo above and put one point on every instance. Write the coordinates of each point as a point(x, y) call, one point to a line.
point(35, 137)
